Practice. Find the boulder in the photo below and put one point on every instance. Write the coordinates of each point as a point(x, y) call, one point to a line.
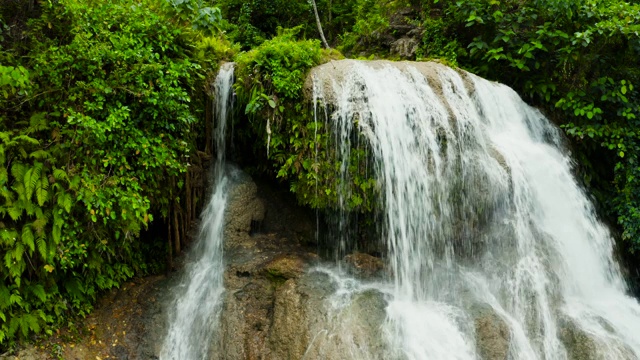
point(364, 265)
point(492, 336)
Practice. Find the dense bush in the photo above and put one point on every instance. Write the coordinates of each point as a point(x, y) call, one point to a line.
point(100, 102)
point(96, 132)
point(294, 146)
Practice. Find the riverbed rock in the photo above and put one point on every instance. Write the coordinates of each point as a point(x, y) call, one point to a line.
point(492, 336)
point(30, 352)
point(580, 345)
point(364, 265)
point(285, 266)
point(244, 208)
point(405, 47)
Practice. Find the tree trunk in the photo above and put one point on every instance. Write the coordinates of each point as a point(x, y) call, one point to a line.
point(315, 12)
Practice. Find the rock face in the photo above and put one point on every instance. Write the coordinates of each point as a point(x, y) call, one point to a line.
point(492, 336)
point(364, 265)
point(274, 308)
point(582, 346)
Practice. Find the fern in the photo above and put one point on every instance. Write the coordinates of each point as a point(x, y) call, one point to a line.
point(8, 237)
point(60, 174)
point(65, 201)
point(4, 297)
point(57, 228)
point(14, 323)
point(14, 212)
point(31, 179)
point(26, 139)
point(37, 122)
point(4, 176)
point(40, 154)
point(38, 291)
point(31, 208)
point(18, 170)
point(39, 224)
point(15, 299)
point(18, 252)
point(42, 247)
point(27, 238)
point(8, 260)
point(42, 186)
point(28, 322)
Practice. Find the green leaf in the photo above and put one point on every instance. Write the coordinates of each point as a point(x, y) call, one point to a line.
point(31, 179)
point(39, 292)
point(28, 238)
point(42, 194)
point(42, 247)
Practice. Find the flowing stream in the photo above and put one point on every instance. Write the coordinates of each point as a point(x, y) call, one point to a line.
point(481, 215)
point(194, 314)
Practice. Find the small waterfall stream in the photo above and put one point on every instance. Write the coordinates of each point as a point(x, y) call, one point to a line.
point(194, 314)
point(481, 213)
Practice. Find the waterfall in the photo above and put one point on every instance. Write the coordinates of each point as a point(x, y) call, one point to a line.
point(480, 213)
point(193, 316)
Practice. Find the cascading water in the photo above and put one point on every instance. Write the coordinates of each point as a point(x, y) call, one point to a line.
point(480, 213)
point(194, 314)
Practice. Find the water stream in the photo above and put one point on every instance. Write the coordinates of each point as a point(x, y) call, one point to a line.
point(193, 316)
point(481, 214)
point(483, 221)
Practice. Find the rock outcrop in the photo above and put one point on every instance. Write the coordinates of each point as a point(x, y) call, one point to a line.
point(492, 336)
point(274, 306)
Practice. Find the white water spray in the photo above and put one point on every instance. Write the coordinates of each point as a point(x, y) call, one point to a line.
point(481, 213)
point(194, 315)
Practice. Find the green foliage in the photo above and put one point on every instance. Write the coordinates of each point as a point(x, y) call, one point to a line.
point(370, 19)
point(98, 125)
point(251, 22)
point(196, 13)
point(294, 145)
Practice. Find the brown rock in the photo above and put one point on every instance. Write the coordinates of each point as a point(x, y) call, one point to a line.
point(364, 264)
point(285, 267)
point(492, 336)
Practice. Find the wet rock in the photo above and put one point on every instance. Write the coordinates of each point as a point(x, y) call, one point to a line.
point(364, 265)
point(244, 208)
point(28, 353)
point(300, 317)
point(492, 336)
point(263, 268)
point(364, 319)
point(289, 336)
point(405, 47)
point(578, 344)
point(285, 267)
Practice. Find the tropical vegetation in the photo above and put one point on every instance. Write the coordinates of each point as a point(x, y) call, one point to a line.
point(104, 107)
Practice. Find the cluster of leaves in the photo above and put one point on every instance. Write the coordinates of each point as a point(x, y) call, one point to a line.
point(96, 131)
point(370, 25)
point(252, 22)
point(295, 145)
